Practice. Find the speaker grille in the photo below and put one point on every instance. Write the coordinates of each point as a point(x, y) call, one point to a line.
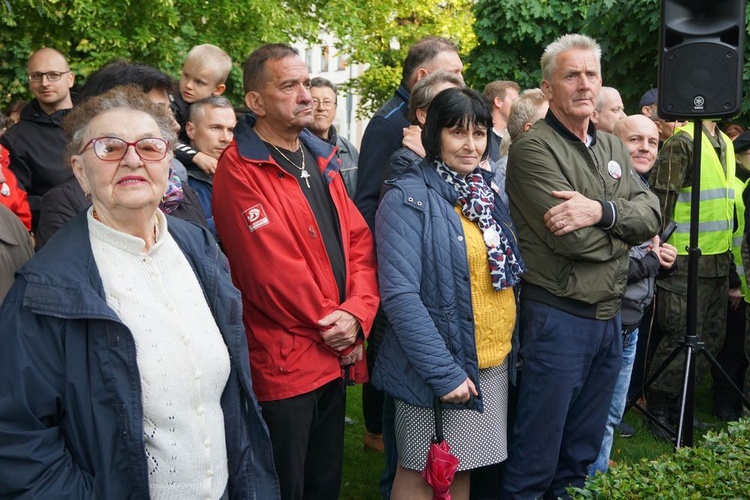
point(698, 80)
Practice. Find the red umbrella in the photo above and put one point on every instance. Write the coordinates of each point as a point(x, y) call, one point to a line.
point(440, 467)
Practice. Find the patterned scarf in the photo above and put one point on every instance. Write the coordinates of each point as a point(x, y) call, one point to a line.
point(174, 194)
point(477, 199)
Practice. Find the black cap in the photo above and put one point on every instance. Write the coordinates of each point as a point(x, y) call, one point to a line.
point(648, 98)
point(742, 142)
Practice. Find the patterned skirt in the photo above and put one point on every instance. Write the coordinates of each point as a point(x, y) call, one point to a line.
point(477, 439)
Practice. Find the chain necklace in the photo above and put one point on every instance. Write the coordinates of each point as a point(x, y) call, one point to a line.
point(304, 174)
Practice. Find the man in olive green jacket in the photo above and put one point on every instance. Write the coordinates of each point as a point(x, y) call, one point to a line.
point(578, 206)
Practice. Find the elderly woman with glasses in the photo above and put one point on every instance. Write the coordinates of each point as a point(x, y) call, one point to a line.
point(123, 361)
point(448, 262)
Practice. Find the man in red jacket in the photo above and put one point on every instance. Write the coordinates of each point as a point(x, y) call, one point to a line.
point(302, 256)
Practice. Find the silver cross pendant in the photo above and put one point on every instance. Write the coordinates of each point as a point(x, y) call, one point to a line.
point(306, 177)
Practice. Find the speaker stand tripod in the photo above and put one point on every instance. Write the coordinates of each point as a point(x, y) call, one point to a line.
point(690, 344)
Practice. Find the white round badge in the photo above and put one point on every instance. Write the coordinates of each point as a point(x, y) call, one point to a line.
point(614, 169)
point(491, 237)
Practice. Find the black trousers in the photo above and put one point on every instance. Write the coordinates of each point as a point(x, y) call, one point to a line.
point(372, 398)
point(731, 358)
point(307, 435)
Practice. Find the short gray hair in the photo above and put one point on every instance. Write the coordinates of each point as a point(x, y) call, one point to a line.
point(130, 97)
point(524, 110)
point(565, 43)
point(600, 97)
point(423, 91)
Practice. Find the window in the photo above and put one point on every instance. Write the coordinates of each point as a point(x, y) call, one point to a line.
point(342, 62)
point(324, 57)
point(308, 59)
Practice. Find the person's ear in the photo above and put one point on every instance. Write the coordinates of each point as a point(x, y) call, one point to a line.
point(77, 166)
point(254, 102)
point(71, 79)
point(421, 73)
point(546, 90)
point(190, 130)
point(220, 89)
point(421, 116)
point(497, 102)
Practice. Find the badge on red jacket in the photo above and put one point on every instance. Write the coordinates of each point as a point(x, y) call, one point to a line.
point(255, 217)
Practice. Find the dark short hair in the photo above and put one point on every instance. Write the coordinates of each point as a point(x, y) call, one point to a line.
point(124, 73)
point(213, 101)
point(498, 89)
point(17, 106)
point(254, 70)
point(424, 50)
point(453, 107)
point(5, 122)
point(319, 82)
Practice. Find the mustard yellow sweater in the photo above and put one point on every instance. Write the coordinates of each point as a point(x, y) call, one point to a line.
point(494, 311)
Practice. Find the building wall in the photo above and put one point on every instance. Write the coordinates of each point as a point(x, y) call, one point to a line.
point(324, 61)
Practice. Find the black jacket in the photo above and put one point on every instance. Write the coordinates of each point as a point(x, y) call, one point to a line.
point(37, 148)
point(65, 201)
point(382, 137)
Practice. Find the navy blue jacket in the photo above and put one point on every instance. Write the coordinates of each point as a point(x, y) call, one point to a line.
point(382, 137)
point(429, 346)
point(71, 416)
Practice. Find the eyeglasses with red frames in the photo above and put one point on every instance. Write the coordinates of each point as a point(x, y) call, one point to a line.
point(114, 148)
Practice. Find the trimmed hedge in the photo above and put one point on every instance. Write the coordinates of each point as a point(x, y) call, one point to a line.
point(718, 468)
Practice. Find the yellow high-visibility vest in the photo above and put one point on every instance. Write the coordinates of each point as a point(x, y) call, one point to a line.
point(716, 201)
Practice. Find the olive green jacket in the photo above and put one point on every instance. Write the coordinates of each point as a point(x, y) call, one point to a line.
point(584, 272)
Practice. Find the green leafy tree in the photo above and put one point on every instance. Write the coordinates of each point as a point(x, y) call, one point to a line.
point(155, 32)
point(160, 32)
point(511, 36)
point(380, 32)
point(629, 35)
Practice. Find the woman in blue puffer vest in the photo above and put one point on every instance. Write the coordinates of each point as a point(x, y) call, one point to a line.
point(448, 263)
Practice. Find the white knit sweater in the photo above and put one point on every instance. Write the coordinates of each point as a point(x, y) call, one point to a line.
point(181, 356)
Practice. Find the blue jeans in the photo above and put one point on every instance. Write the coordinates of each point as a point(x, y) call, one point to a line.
point(570, 366)
point(619, 398)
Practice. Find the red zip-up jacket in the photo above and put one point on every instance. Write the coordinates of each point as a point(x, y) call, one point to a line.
point(280, 264)
point(16, 198)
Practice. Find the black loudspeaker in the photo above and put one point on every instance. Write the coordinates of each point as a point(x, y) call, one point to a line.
point(701, 57)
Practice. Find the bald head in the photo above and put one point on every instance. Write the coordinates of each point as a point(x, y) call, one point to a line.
point(609, 109)
point(48, 54)
point(50, 80)
point(641, 137)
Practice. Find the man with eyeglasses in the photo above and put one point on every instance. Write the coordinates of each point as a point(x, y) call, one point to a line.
point(36, 143)
point(323, 94)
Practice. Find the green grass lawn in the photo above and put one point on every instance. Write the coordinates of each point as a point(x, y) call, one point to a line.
point(362, 468)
